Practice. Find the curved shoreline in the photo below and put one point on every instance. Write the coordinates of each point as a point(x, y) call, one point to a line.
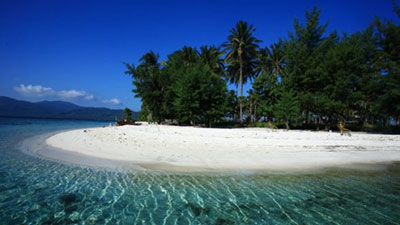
point(190, 149)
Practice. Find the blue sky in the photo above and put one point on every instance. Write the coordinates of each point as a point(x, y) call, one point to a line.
point(74, 50)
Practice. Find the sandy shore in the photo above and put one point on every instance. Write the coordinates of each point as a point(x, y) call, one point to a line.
point(203, 149)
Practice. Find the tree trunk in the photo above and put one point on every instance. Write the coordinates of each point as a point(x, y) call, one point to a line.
point(237, 89)
point(235, 108)
point(241, 88)
point(287, 125)
point(251, 111)
point(365, 122)
point(150, 117)
point(327, 124)
point(255, 112)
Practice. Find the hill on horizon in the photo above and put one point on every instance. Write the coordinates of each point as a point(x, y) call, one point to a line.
point(10, 107)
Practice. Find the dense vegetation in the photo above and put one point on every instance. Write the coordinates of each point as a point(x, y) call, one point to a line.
point(311, 79)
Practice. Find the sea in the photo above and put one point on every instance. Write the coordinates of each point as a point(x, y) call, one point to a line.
point(34, 190)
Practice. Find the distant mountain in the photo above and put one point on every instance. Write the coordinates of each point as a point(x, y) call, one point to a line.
point(10, 107)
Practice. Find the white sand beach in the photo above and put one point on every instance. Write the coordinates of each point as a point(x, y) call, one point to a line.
point(204, 149)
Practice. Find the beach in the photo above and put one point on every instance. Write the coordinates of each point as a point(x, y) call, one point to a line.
point(165, 147)
point(57, 187)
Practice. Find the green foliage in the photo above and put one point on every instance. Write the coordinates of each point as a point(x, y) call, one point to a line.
point(266, 93)
point(306, 51)
point(259, 124)
point(287, 108)
point(143, 114)
point(312, 78)
point(212, 57)
point(148, 83)
point(232, 104)
point(200, 96)
point(388, 38)
point(242, 49)
point(349, 84)
point(127, 114)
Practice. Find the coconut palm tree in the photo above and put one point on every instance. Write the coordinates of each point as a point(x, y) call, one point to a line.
point(241, 47)
point(190, 55)
point(277, 56)
point(233, 71)
point(148, 62)
point(150, 59)
point(267, 85)
point(272, 60)
point(148, 86)
point(212, 57)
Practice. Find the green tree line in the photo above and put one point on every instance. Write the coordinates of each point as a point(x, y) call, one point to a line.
point(311, 78)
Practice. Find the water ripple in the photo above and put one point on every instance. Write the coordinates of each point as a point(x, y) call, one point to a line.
point(37, 191)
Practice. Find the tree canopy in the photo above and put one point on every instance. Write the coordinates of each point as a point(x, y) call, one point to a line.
point(309, 79)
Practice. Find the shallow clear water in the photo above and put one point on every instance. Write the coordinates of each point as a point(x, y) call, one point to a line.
point(39, 191)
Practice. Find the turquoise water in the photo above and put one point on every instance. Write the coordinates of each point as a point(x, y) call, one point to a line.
point(38, 191)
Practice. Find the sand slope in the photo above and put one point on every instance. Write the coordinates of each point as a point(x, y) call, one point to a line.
point(226, 149)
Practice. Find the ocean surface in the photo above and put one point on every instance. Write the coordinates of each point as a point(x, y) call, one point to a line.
point(40, 191)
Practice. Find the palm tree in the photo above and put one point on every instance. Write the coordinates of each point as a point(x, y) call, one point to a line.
point(272, 60)
point(241, 48)
point(212, 57)
point(270, 71)
point(148, 62)
point(189, 55)
point(233, 70)
point(150, 59)
point(148, 86)
point(277, 56)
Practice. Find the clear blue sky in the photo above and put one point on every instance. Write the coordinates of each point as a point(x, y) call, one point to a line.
point(74, 50)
